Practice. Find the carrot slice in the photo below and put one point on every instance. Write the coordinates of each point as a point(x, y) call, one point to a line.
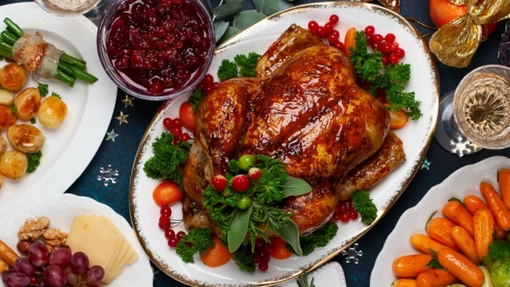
point(350, 40)
point(398, 119)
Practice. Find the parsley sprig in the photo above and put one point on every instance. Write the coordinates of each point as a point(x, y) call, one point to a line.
point(197, 240)
point(243, 65)
point(365, 206)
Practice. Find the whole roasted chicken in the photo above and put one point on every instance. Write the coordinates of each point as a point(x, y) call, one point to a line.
point(305, 109)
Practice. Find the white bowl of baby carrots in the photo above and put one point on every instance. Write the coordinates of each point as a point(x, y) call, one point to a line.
point(454, 234)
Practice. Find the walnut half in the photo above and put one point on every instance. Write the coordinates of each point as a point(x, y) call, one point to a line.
point(33, 229)
point(54, 238)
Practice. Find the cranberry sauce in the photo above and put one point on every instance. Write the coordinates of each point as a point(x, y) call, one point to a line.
point(158, 46)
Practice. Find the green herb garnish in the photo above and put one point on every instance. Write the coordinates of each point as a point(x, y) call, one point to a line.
point(53, 94)
point(43, 89)
point(32, 120)
point(195, 98)
point(365, 206)
point(244, 259)
point(227, 70)
point(197, 241)
point(34, 160)
point(243, 65)
point(319, 238)
point(302, 281)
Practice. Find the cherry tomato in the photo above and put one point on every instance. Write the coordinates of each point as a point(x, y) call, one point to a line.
point(340, 46)
point(254, 173)
point(240, 183)
point(244, 203)
point(208, 88)
point(219, 182)
point(246, 161)
point(313, 26)
point(351, 204)
point(390, 38)
point(369, 30)
point(188, 117)
point(333, 19)
point(320, 31)
point(167, 193)
point(168, 123)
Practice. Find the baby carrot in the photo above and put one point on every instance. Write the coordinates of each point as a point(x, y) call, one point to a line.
point(459, 266)
point(424, 243)
point(483, 226)
point(7, 254)
point(504, 185)
point(411, 265)
point(457, 214)
point(4, 267)
point(466, 243)
point(440, 230)
point(473, 203)
point(405, 282)
point(496, 205)
point(435, 278)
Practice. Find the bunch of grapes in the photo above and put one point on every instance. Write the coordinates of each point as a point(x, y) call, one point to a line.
point(58, 269)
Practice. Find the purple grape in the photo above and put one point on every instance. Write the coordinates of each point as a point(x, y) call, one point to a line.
point(95, 275)
point(72, 279)
point(54, 276)
point(80, 263)
point(16, 279)
point(24, 266)
point(61, 257)
point(38, 254)
point(43, 284)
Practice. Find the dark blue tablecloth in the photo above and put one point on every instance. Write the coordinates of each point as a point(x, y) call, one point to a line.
point(120, 155)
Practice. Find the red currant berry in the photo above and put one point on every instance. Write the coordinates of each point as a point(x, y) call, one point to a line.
point(265, 258)
point(168, 123)
point(401, 53)
point(268, 249)
point(165, 210)
point(390, 38)
point(164, 219)
point(169, 233)
point(208, 80)
point(254, 173)
point(351, 204)
point(219, 182)
point(353, 214)
point(208, 88)
point(333, 37)
point(176, 141)
point(180, 234)
point(343, 207)
point(377, 39)
point(176, 131)
point(185, 137)
point(260, 243)
point(328, 29)
point(340, 46)
point(344, 217)
point(263, 255)
point(164, 226)
point(215, 84)
point(320, 31)
point(394, 47)
point(172, 242)
point(369, 30)
point(33, 280)
point(385, 48)
point(370, 40)
point(256, 258)
point(313, 26)
point(333, 19)
point(386, 60)
point(240, 183)
point(263, 266)
point(177, 122)
point(374, 46)
point(394, 59)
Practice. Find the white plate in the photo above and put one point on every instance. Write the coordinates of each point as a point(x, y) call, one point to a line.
point(462, 182)
point(61, 210)
point(70, 148)
point(330, 275)
point(416, 137)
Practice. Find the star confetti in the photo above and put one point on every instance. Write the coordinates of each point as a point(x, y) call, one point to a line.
point(128, 101)
point(352, 254)
point(122, 118)
point(111, 135)
point(426, 164)
point(108, 175)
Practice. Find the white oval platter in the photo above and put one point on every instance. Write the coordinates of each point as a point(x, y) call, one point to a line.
point(462, 182)
point(69, 148)
point(61, 210)
point(416, 137)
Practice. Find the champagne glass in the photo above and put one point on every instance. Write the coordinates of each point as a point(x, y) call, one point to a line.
point(477, 114)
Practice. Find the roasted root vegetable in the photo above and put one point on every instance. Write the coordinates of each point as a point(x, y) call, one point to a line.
point(440, 229)
point(483, 227)
point(405, 282)
point(13, 165)
point(435, 278)
point(473, 203)
point(496, 205)
point(466, 243)
point(52, 112)
point(280, 250)
point(398, 119)
point(13, 77)
point(6, 98)
point(217, 255)
point(3, 266)
point(3, 145)
point(26, 138)
point(7, 117)
point(350, 40)
point(457, 214)
point(27, 103)
point(504, 185)
point(461, 267)
point(424, 243)
point(411, 265)
point(7, 254)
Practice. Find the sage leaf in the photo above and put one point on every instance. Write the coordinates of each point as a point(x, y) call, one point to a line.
point(247, 18)
point(231, 32)
point(269, 7)
point(295, 187)
point(238, 228)
point(227, 10)
point(219, 29)
point(290, 233)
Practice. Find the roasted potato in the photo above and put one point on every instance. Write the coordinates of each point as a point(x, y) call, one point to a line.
point(13, 164)
point(6, 98)
point(26, 138)
point(7, 117)
point(52, 112)
point(27, 103)
point(1, 180)
point(3, 145)
point(13, 77)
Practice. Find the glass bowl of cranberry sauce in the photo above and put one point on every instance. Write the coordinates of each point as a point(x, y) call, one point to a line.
point(156, 49)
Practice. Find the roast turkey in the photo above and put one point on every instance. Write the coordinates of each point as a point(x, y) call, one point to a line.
point(305, 109)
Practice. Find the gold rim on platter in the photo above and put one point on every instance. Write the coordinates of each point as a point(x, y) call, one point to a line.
point(242, 36)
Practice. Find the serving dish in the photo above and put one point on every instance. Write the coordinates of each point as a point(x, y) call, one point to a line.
point(72, 146)
point(330, 274)
point(61, 210)
point(465, 181)
point(416, 138)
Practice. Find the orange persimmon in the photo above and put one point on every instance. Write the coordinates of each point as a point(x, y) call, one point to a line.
point(167, 193)
point(217, 255)
point(279, 249)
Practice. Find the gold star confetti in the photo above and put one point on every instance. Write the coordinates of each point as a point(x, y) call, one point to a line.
point(128, 101)
point(122, 118)
point(111, 135)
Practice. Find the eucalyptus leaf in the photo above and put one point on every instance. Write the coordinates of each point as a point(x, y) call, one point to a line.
point(238, 228)
point(219, 29)
point(290, 233)
point(295, 187)
point(227, 10)
point(269, 7)
point(247, 18)
point(231, 32)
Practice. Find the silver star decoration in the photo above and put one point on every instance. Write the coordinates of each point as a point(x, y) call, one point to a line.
point(111, 135)
point(128, 101)
point(122, 118)
point(108, 175)
point(462, 146)
point(426, 164)
point(352, 254)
